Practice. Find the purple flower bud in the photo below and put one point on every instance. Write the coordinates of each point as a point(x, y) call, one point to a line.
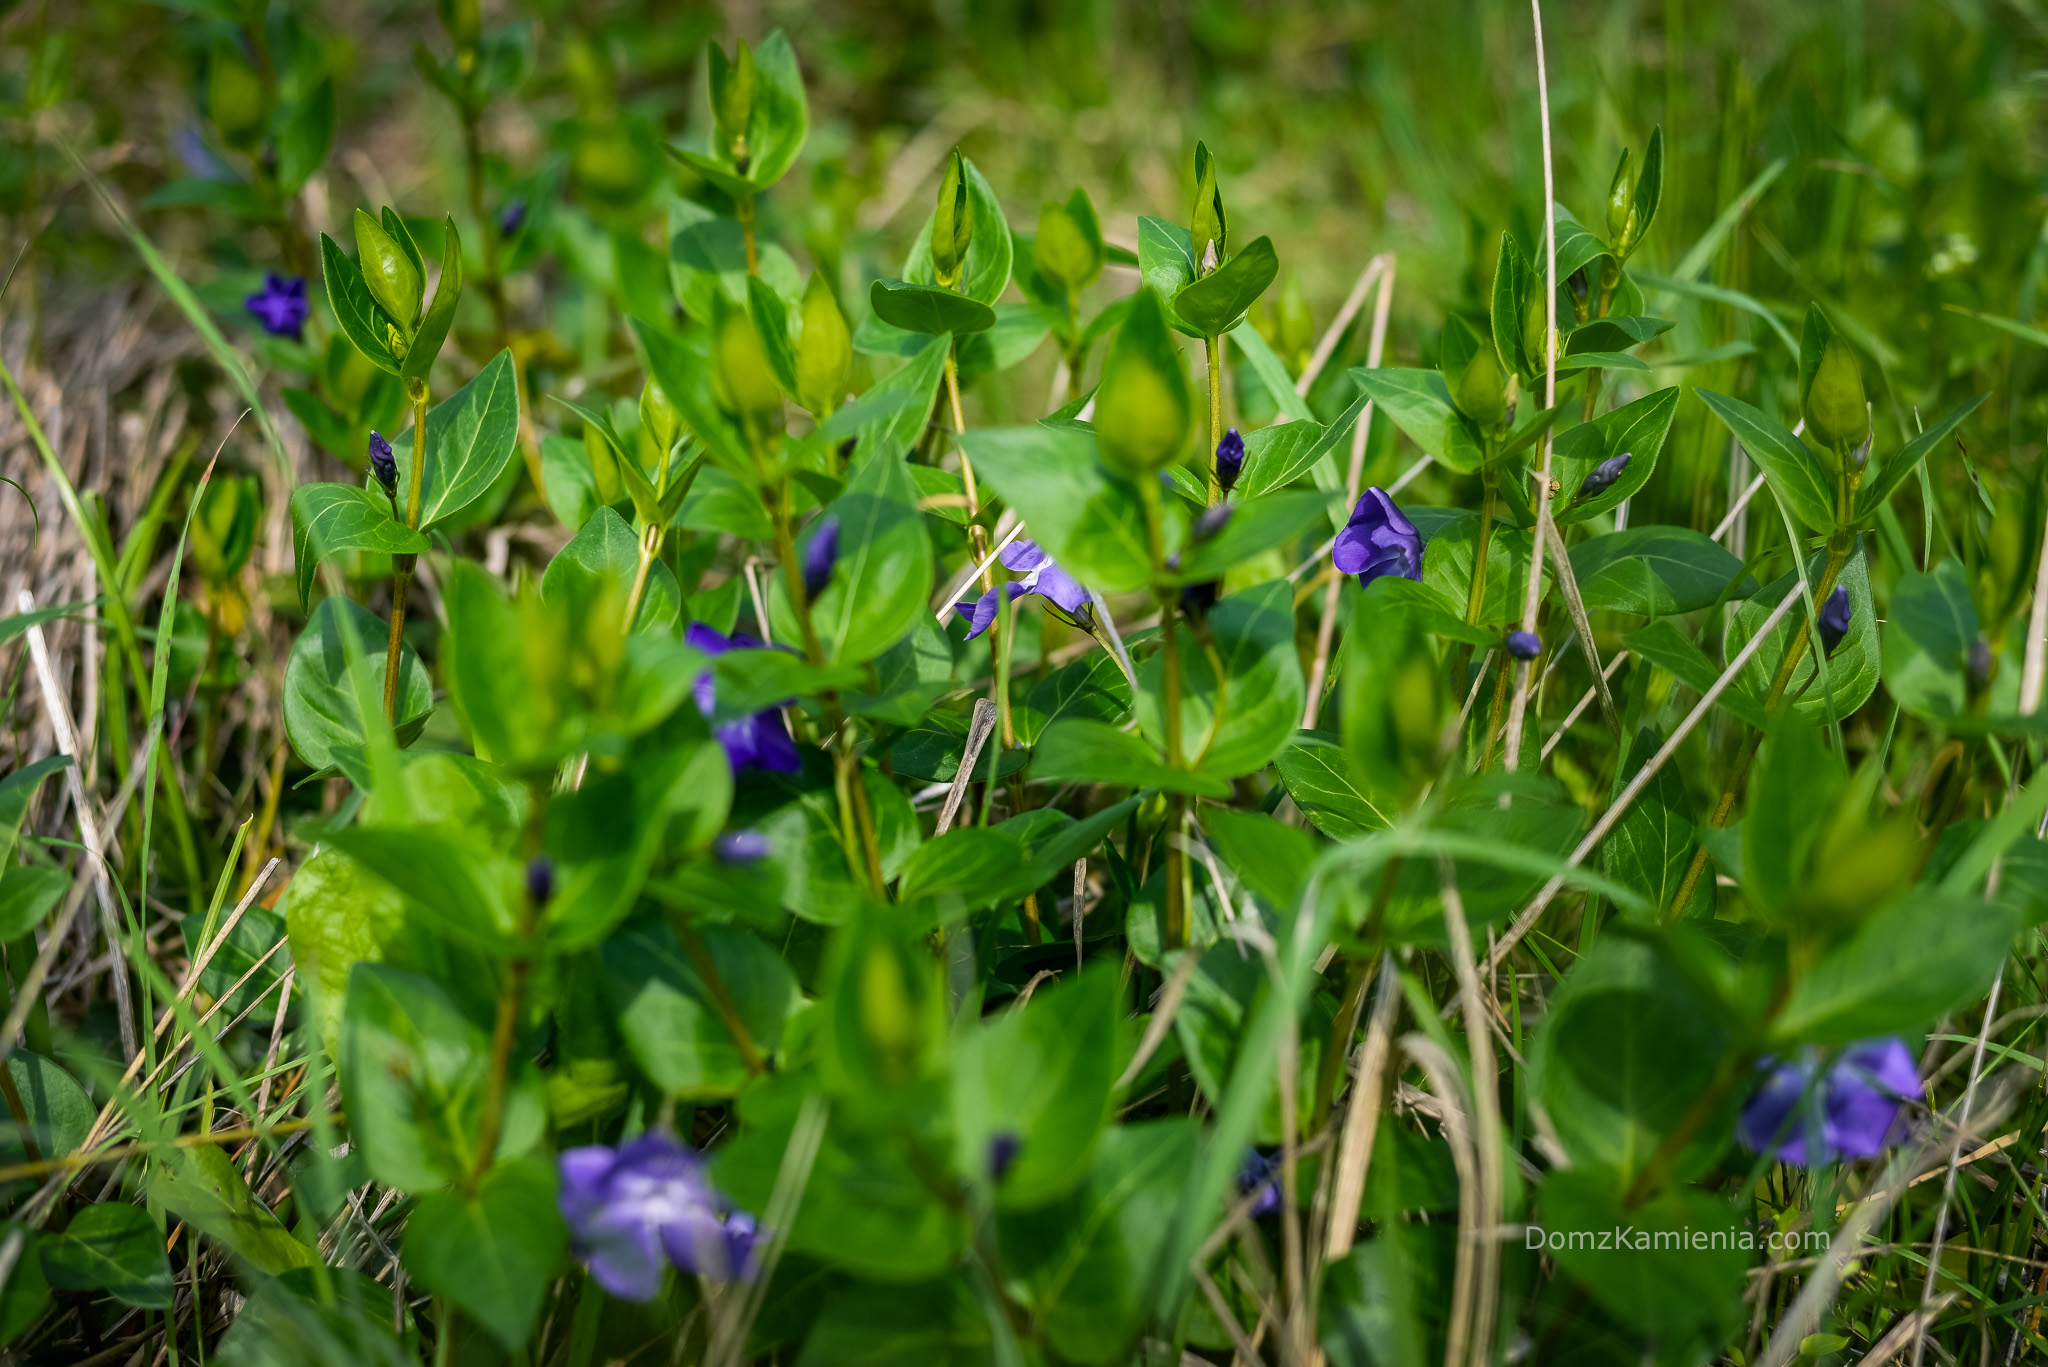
point(382, 464)
point(1212, 520)
point(741, 847)
point(1002, 1152)
point(1197, 599)
point(540, 879)
point(281, 305)
point(647, 1203)
point(1261, 1174)
point(1802, 1113)
point(1229, 459)
point(821, 555)
point(1604, 474)
point(1524, 645)
point(1980, 661)
point(1834, 619)
point(1378, 541)
point(512, 217)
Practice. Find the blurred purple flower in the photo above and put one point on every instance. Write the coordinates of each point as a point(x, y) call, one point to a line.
point(1002, 1152)
point(382, 463)
point(190, 145)
point(1524, 645)
point(741, 847)
point(647, 1202)
point(1834, 619)
point(1802, 1114)
point(512, 217)
point(1260, 1173)
point(540, 879)
point(1378, 541)
point(821, 555)
point(1042, 576)
point(281, 305)
point(1210, 521)
point(1229, 459)
point(759, 740)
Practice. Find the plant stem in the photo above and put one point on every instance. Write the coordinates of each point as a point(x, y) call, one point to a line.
point(402, 565)
point(505, 1030)
point(1213, 346)
point(1477, 598)
point(650, 546)
point(1175, 934)
point(721, 999)
point(744, 208)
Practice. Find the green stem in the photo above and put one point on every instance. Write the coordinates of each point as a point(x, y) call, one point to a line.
point(1176, 929)
point(721, 1000)
point(650, 547)
point(1476, 600)
point(1213, 346)
point(402, 565)
point(505, 1031)
point(744, 208)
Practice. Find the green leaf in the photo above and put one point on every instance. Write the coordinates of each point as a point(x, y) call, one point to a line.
point(924, 1324)
point(60, 1114)
point(493, 1253)
point(1235, 724)
point(330, 518)
point(1927, 640)
point(1661, 645)
point(1214, 304)
point(203, 1187)
point(1909, 964)
point(1089, 520)
point(414, 1072)
point(1268, 856)
point(1613, 334)
point(338, 913)
point(462, 889)
point(305, 139)
point(1420, 405)
point(17, 790)
point(928, 308)
point(320, 707)
point(989, 256)
point(1328, 785)
point(966, 870)
point(1894, 469)
point(682, 367)
point(1852, 669)
point(1794, 471)
point(1042, 1074)
point(471, 437)
point(603, 559)
point(1637, 430)
point(1684, 1280)
point(111, 1247)
point(1254, 528)
point(348, 295)
point(1653, 846)
point(1092, 686)
point(1657, 571)
point(27, 1293)
point(771, 322)
point(1278, 455)
point(1095, 752)
point(669, 1018)
point(879, 586)
point(28, 895)
point(781, 114)
point(1166, 262)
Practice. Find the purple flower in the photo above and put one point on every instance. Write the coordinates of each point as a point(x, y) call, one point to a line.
point(1042, 576)
point(759, 740)
point(512, 217)
point(821, 555)
point(1804, 1114)
point(1002, 1152)
point(1378, 541)
point(1229, 459)
point(1604, 474)
point(1834, 619)
point(281, 305)
point(540, 879)
point(382, 465)
point(1260, 1173)
point(741, 847)
point(1524, 645)
point(647, 1202)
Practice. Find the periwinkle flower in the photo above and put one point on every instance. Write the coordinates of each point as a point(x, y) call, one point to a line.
point(741, 847)
point(1002, 1152)
point(1604, 474)
point(756, 741)
point(281, 305)
point(1524, 645)
point(632, 1209)
point(1805, 1112)
point(540, 879)
point(821, 555)
point(382, 463)
point(1229, 459)
point(1042, 576)
point(1378, 541)
point(1834, 619)
point(512, 217)
point(1261, 1174)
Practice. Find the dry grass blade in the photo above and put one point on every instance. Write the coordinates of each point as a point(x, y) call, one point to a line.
point(1448, 1085)
point(1955, 1153)
point(1362, 1114)
point(1485, 1116)
point(1175, 988)
point(742, 1303)
point(978, 728)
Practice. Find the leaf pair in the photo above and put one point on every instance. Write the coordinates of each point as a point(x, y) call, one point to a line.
point(385, 322)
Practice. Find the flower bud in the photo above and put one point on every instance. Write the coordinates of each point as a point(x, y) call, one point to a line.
point(512, 217)
point(821, 555)
point(1208, 226)
point(732, 101)
point(1481, 394)
point(1229, 460)
point(234, 97)
point(1197, 599)
point(393, 280)
point(1835, 616)
point(743, 381)
point(1144, 408)
point(1581, 291)
point(1834, 404)
point(1621, 206)
point(382, 464)
point(1604, 474)
point(952, 223)
point(740, 847)
point(1068, 249)
point(1212, 520)
point(1524, 645)
point(1002, 1151)
point(1980, 662)
point(659, 419)
point(540, 879)
point(824, 350)
point(1535, 318)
